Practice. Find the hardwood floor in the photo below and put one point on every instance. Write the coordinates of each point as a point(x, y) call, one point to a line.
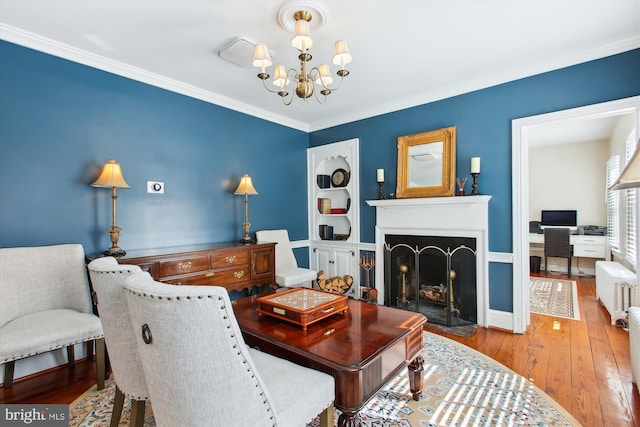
point(584, 365)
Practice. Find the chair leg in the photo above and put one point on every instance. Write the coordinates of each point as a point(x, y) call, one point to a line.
point(89, 345)
point(326, 417)
point(546, 264)
point(8, 373)
point(71, 356)
point(100, 363)
point(136, 417)
point(118, 403)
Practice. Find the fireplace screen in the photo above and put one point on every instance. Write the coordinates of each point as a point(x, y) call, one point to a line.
point(435, 276)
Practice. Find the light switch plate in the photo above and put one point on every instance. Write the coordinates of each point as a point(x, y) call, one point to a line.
point(155, 187)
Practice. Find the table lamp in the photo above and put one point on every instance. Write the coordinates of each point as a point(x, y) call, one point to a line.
point(246, 188)
point(111, 177)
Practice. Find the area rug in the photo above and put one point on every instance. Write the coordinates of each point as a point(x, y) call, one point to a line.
point(462, 387)
point(554, 297)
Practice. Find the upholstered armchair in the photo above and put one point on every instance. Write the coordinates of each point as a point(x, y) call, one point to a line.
point(200, 372)
point(287, 271)
point(45, 305)
point(107, 278)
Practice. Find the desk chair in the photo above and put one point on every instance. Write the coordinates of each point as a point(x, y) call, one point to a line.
point(287, 271)
point(557, 244)
point(200, 372)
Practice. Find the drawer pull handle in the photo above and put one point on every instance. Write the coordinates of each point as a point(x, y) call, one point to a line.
point(238, 274)
point(184, 265)
point(178, 283)
point(230, 259)
point(328, 310)
point(209, 274)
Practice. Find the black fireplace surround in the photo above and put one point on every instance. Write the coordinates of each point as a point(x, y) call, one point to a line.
point(432, 275)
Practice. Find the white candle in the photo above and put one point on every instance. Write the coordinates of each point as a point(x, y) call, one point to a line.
point(475, 165)
point(380, 175)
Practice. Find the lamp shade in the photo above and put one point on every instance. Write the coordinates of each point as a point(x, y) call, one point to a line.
point(280, 76)
point(324, 75)
point(302, 36)
point(630, 176)
point(245, 186)
point(111, 176)
point(341, 55)
point(261, 56)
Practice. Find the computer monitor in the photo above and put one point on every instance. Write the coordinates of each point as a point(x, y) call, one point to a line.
point(559, 219)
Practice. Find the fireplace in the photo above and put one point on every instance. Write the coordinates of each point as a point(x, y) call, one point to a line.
point(432, 275)
point(431, 238)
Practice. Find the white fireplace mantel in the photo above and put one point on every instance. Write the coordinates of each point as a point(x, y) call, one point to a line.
point(466, 216)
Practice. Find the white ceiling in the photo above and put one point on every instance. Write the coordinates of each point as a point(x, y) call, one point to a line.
point(405, 52)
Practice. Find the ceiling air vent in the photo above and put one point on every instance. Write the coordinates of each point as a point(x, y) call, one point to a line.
point(239, 52)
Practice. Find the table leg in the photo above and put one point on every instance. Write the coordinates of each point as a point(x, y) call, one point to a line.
point(415, 377)
point(348, 419)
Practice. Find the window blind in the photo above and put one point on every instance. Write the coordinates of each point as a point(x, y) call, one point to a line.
point(613, 200)
point(630, 208)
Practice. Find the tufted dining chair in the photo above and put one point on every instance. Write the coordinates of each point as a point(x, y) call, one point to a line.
point(200, 372)
point(287, 271)
point(107, 278)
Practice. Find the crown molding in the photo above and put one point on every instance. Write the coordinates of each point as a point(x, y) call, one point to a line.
point(61, 50)
point(482, 82)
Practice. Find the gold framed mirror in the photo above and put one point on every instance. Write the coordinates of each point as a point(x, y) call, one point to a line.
point(427, 164)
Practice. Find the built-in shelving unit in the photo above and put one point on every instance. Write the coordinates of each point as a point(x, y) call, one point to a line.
point(334, 211)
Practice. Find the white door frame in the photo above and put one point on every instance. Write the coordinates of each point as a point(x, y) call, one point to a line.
point(520, 129)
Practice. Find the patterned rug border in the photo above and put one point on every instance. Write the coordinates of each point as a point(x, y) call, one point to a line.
point(516, 400)
point(574, 298)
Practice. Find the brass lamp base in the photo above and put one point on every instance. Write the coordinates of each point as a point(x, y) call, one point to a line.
point(246, 241)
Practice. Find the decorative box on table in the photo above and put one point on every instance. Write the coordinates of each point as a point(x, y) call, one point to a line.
point(302, 306)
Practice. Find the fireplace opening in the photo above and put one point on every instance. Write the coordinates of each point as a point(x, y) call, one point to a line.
point(432, 275)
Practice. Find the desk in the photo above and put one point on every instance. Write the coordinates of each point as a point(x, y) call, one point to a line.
point(362, 349)
point(583, 245)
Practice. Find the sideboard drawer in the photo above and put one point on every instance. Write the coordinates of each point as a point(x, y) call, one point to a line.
point(231, 276)
point(229, 259)
point(184, 265)
point(192, 280)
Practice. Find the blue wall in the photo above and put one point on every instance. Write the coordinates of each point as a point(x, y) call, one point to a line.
point(483, 126)
point(60, 121)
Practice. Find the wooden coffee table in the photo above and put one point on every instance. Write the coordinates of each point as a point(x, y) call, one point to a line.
point(362, 349)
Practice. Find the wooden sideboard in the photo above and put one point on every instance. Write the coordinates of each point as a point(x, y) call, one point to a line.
point(232, 265)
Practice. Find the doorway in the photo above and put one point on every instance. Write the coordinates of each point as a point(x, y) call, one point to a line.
point(522, 130)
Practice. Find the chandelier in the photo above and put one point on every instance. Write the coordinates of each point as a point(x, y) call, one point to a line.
point(306, 79)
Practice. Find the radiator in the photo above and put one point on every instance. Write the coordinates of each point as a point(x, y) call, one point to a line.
point(634, 344)
point(615, 288)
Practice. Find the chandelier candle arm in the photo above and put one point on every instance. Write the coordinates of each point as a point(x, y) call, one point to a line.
point(303, 81)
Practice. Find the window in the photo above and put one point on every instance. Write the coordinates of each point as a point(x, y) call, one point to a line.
point(630, 207)
point(613, 200)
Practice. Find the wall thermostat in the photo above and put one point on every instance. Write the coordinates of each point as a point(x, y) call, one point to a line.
point(155, 187)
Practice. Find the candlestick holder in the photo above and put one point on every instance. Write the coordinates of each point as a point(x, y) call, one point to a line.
point(380, 190)
point(474, 186)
